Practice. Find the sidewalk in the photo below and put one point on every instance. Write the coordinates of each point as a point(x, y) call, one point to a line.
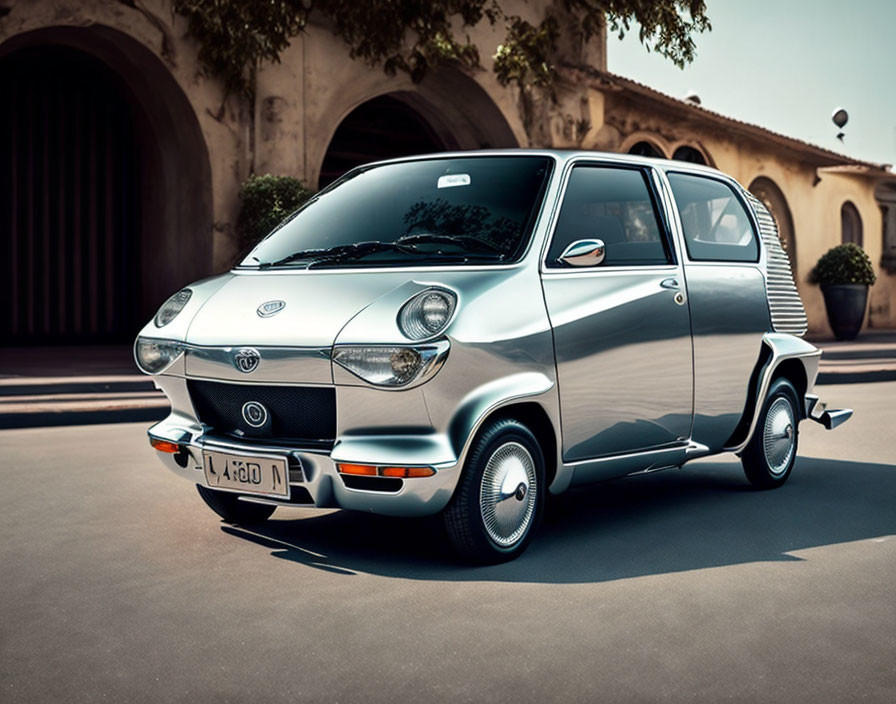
point(870, 357)
point(41, 386)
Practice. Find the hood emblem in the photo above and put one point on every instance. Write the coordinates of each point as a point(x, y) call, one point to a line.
point(246, 360)
point(269, 308)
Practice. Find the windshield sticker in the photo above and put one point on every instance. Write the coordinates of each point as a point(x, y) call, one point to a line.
point(452, 180)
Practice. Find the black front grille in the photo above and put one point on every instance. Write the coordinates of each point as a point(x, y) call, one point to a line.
point(299, 415)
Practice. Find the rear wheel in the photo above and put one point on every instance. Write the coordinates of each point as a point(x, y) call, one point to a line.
point(231, 509)
point(769, 457)
point(498, 503)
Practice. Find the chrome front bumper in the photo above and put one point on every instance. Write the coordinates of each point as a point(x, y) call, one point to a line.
point(318, 484)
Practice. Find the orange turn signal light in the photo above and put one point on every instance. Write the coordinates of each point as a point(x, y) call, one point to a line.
point(360, 470)
point(367, 470)
point(165, 446)
point(406, 472)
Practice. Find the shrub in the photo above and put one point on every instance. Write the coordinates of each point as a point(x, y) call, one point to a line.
point(265, 202)
point(844, 264)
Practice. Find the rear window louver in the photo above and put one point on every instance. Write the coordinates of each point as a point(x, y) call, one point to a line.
point(784, 304)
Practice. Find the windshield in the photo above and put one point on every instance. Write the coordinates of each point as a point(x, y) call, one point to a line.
point(474, 210)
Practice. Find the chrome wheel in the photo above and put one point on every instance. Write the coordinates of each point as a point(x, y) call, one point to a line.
point(779, 436)
point(508, 493)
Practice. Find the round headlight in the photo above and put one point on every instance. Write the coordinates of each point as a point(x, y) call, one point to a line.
point(426, 314)
point(172, 307)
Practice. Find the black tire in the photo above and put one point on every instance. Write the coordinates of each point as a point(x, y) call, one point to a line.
point(762, 471)
point(464, 516)
point(232, 510)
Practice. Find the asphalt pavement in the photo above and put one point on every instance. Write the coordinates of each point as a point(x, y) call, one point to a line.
point(117, 584)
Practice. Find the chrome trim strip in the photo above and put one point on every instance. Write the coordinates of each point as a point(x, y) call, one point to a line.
point(277, 364)
point(214, 442)
point(678, 447)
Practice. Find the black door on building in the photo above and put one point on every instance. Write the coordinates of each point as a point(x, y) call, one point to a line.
point(68, 200)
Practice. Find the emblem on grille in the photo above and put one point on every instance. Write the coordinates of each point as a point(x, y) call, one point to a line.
point(246, 360)
point(269, 308)
point(255, 414)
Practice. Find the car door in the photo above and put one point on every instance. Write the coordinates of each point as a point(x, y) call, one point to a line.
point(622, 332)
point(727, 299)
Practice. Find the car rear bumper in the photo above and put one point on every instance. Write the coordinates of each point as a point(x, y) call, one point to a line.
point(830, 418)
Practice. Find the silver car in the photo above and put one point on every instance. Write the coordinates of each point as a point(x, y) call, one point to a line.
point(468, 333)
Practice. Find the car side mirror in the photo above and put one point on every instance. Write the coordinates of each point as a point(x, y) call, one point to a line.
point(584, 253)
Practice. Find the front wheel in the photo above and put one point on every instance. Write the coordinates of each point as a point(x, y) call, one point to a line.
point(499, 500)
point(231, 509)
point(769, 457)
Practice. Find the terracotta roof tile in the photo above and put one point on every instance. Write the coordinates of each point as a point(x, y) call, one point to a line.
point(826, 157)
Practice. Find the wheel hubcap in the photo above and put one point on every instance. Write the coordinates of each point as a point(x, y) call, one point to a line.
point(779, 436)
point(507, 496)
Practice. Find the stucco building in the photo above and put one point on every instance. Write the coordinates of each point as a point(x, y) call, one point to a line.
point(122, 162)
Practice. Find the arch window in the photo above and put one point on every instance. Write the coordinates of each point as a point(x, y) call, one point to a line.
point(689, 154)
point(850, 224)
point(773, 198)
point(645, 148)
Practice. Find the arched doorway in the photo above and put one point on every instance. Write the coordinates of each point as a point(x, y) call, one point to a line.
point(772, 198)
point(850, 224)
point(72, 253)
point(106, 188)
point(448, 110)
point(645, 148)
point(382, 128)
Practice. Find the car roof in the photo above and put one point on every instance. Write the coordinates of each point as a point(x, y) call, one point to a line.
point(563, 156)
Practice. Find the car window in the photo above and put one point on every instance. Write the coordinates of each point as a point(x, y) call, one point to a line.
point(428, 212)
point(614, 205)
point(715, 223)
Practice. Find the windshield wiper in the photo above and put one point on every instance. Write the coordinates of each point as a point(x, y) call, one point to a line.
point(466, 242)
point(339, 253)
point(405, 245)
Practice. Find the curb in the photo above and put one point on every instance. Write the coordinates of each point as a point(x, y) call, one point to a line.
point(45, 386)
point(44, 419)
point(825, 378)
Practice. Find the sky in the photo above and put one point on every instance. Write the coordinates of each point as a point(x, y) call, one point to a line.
point(785, 65)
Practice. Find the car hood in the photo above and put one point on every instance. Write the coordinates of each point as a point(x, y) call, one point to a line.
point(315, 307)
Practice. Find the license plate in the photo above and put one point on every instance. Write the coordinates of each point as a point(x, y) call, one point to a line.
point(264, 475)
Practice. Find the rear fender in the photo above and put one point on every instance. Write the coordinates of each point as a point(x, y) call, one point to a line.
point(778, 347)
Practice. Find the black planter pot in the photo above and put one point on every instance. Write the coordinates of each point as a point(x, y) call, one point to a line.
point(845, 304)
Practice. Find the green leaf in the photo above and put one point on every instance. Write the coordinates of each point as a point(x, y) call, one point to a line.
point(844, 264)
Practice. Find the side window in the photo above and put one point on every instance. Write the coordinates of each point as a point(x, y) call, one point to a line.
point(614, 205)
point(716, 225)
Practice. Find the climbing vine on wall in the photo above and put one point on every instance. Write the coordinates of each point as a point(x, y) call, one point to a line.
point(413, 36)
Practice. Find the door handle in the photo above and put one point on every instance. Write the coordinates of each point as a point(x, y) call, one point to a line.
point(670, 284)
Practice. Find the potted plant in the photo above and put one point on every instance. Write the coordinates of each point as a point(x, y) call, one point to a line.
point(265, 201)
point(844, 274)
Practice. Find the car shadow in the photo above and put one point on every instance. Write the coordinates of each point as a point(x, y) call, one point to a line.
point(702, 516)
